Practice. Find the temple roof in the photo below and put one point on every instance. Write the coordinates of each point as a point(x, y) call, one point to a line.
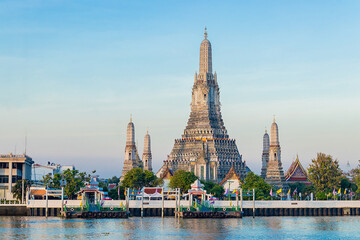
point(167, 173)
point(197, 184)
point(230, 175)
point(296, 172)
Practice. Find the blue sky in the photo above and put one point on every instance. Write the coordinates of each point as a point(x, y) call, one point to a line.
point(72, 72)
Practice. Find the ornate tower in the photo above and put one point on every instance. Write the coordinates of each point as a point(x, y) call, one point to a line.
point(265, 154)
point(205, 147)
point(131, 156)
point(275, 173)
point(147, 158)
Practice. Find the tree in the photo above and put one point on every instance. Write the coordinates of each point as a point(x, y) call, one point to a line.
point(297, 185)
point(217, 190)
point(138, 178)
point(74, 181)
point(114, 193)
point(114, 179)
point(213, 188)
point(183, 180)
point(325, 173)
point(262, 189)
point(17, 189)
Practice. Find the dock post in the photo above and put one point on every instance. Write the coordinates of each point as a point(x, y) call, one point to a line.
point(179, 202)
point(162, 202)
point(241, 200)
point(237, 200)
point(175, 203)
point(62, 199)
point(142, 202)
point(253, 203)
point(46, 209)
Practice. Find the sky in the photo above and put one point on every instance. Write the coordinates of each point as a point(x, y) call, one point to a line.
point(72, 73)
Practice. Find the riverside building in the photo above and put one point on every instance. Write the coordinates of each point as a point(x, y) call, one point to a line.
point(12, 169)
point(205, 147)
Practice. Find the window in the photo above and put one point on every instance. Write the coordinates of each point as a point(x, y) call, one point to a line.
point(4, 165)
point(4, 179)
point(15, 179)
point(212, 173)
point(202, 172)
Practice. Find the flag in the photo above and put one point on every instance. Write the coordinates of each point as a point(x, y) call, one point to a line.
point(234, 191)
point(195, 205)
point(227, 191)
point(345, 191)
point(295, 191)
point(289, 192)
point(121, 204)
point(279, 191)
point(81, 203)
point(118, 191)
point(334, 193)
point(339, 192)
point(270, 192)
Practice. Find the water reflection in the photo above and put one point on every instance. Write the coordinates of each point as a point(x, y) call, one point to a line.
point(157, 228)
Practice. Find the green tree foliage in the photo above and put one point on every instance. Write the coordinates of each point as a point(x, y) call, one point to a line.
point(345, 183)
point(321, 196)
point(262, 189)
point(17, 189)
point(183, 180)
point(299, 186)
point(113, 193)
point(325, 173)
point(213, 188)
point(138, 178)
point(74, 181)
point(114, 179)
point(217, 190)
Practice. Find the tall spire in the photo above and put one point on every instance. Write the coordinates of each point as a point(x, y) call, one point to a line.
point(205, 56)
point(274, 137)
point(147, 157)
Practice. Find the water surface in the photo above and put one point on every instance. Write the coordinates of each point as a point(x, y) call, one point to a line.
point(171, 228)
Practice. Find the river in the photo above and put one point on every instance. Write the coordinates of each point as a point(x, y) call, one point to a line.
point(171, 228)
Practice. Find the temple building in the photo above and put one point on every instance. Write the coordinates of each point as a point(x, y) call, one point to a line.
point(132, 159)
point(265, 154)
point(205, 147)
point(232, 180)
point(147, 157)
point(165, 176)
point(274, 172)
point(296, 173)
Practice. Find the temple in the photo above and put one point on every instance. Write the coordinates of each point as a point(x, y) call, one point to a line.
point(231, 181)
point(274, 171)
point(205, 147)
point(132, 159)
point(296, 173)
point(265, 154)
point(147, 157)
